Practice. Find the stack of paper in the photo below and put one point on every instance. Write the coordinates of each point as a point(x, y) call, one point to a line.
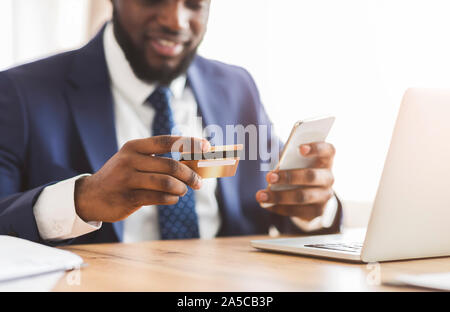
point(440, 281)
point(21, 259)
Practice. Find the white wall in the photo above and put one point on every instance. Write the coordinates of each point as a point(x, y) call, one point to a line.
point(6, 35)
point(36, 28)
point(350, 58)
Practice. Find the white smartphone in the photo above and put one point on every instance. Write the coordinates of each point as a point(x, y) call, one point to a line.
point(304, 132)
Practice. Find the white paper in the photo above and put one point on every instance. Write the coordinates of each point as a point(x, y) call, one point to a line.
point(439, 281)
point(41, 283)
point(24, 259)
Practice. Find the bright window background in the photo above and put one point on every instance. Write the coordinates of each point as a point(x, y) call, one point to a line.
point(350, 58)
point(35, 28)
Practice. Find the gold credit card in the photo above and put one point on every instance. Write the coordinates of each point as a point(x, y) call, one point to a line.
point(219, 162)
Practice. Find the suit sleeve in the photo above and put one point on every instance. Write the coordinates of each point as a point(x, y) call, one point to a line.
point(285, 224)
point(16, 206)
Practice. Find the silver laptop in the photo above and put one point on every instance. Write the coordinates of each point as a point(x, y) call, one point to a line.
point(411, 214)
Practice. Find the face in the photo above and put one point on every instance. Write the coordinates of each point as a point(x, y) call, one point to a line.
point(160, 37)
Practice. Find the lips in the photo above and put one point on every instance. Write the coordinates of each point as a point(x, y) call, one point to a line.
point(167, 48)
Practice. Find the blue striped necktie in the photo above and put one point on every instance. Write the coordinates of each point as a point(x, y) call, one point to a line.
point(177, 221)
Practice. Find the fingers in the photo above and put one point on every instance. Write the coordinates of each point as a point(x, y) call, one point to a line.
point(140, 198)
point(318, 149)
point(306, 177)
point(321, 151)
point(167, 166)
point(166, 144)
point(158, 182)
point(312, 185)
point(299, 196)
point(306, 212)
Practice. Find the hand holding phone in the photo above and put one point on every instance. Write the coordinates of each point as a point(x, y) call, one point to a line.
point(303, 132)
point(297, 185)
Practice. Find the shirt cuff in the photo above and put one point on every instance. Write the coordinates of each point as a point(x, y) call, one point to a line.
point(56, 215)
point(324, 221)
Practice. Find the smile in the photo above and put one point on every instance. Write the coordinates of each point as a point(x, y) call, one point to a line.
point(167, 48)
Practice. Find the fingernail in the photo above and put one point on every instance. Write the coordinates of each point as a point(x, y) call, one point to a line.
point(274, 178)
point(206, 146)
point(263, 196)
point(305, 149)
point(199, 183)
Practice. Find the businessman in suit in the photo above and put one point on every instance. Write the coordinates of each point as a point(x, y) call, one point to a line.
point(84, 137)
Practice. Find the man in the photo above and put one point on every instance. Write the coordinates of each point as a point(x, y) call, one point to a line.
point(83, 137)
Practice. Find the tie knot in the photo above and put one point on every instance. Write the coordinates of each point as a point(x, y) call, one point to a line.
point(160, 98)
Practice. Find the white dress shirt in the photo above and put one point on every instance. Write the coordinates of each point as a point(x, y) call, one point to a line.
point(54, 210)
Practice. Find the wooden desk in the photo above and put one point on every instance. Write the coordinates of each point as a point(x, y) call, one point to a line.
point(225, 264)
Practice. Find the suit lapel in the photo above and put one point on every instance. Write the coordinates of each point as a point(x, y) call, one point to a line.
point(89, 95)
point(91, 102)
point(93, 115)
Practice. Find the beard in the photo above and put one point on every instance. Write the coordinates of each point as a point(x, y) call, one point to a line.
point(136, 57)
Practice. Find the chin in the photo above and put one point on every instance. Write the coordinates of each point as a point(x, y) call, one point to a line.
point(162, 63)
point(151, 67)
point(163, 66)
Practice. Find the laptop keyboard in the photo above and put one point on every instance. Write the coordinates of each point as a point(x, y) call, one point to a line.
point(347, 247)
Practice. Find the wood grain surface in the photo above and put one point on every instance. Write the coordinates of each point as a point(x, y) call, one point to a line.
point(226, 264)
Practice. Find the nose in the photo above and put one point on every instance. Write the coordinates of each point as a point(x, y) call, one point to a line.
point(174, 16)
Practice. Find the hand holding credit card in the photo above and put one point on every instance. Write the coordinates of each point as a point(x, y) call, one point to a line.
point(218, 162)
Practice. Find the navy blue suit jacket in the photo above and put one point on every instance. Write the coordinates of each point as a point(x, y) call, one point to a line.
point(57, 121)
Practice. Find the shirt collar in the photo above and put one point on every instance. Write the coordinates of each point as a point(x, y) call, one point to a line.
point(123, 78)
